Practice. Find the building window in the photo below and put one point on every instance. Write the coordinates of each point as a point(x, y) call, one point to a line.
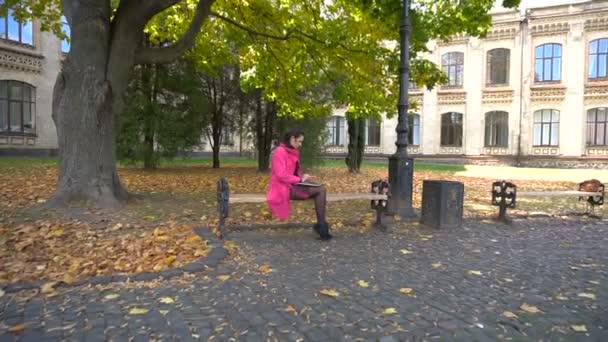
point(451, 129)
point(11, 29)
point(65, 43)
point(452, 63)
point(546, 127)
point(498, 66)
point(413, 134)
point(597, 119)
point(497, 129)
point(548, 66)
point(598, 59)
point(17, 107)
point(335, 128)
point(372, 132)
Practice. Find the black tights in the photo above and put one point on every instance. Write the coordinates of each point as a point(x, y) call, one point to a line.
point(318, 193)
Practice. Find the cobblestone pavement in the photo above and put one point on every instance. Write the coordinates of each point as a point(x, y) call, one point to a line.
point(463, 281)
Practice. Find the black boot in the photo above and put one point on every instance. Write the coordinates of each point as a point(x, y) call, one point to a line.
point(323, 230)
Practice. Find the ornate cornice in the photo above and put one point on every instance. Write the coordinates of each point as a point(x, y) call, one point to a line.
point(548, 94)
point(550, 28)
point(20, 60)
point(597, 24)
point(458, 39)
point(418, 97)
point(497, 96)
point(449, 97)
point(505, 32)
point(596, 91)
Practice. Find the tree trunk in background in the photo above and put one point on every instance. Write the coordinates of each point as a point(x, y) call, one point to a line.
point(266, 114)
point(356, 143)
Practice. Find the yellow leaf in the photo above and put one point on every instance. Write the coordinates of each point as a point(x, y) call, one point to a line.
point(170, 260)
point(405, 251)
point(291, 309)
point(436, 264)
point(389, 311)
point(16, 329)
point(138, 311)
point(112, 296)
point(247, 214)
point(166, 300)
point(265, 269)
point(57, 232)
point(397, 218)
point(509, 314)
point(329, 292)
point(529, 308)
point(587, 295)
point(49, 288)
point(223, 277)
point(579, 328)
point(477, 273)
point(363, 283)
point(560, 297)
point(406, 290)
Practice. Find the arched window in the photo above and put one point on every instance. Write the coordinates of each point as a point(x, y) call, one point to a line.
point(546, 127)
point(548, 66)
point(335, 131)
point(598, 59)
point(452, 63)
point(497, 71)
point(17, 107)
point(11, 29)
point(451, 129)
point(497, 129)
point(413, 135)
point(65, 27)
point(372, 132)
point(597, 120)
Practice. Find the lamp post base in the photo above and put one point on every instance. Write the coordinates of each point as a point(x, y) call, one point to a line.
point(401, 179)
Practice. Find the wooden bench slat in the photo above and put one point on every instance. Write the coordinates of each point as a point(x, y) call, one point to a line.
point(260, 198)
point(558, 193)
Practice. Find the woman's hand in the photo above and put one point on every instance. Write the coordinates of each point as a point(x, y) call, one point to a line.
point(305, 177)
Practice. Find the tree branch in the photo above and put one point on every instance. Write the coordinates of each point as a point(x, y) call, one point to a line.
point(250, 30)
point(148, 8)
point(149, 55)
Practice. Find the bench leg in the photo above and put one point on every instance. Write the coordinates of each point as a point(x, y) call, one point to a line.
point(502, 213)
point(378, 222)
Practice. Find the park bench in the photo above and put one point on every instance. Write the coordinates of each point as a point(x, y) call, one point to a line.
point(378, 196)
point(504, 195)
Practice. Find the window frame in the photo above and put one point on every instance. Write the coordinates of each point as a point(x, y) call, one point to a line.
point(551, 60)
point(9, 18)
point(452, 63)
point(9, 100)
point(377, 125)
point(597, 55)
point(413, 128)
point(545, 125)
point(492, 61)
point(452, 129)
point(336, 128)
point(595, 123)
point(496, 125)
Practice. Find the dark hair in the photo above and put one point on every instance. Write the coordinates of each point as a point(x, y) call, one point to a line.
point(296, 133)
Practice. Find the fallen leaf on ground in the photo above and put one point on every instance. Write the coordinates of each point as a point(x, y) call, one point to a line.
point(167, 300)
point(587, 295)
point(1, 293)
point(579, 328)
point(138, 311)
point(560, 297)
point(471, 272)
point(291, 309)
point(436, 264)
point(329, 292)
point(112, 296)
point(529, 308)
point(48, 289)
point(405, 251)
point(363, 283)
point(265, 269)
point(16, 329)
point(509, 314)
point(223, 277)
point(389, 311)
point(406, 290)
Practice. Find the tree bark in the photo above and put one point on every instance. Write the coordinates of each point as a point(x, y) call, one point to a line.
point(356, 143)
point(265, 120)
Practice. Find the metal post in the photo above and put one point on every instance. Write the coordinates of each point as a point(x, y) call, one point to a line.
point(400, 166)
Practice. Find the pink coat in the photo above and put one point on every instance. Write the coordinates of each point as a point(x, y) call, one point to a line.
point(282, 177)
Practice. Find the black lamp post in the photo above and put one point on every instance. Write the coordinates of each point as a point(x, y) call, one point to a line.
point(400, 166)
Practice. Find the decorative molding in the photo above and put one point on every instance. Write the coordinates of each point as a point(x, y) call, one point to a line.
point(497, 96)
point(496, 150)
point(17, 141)
point(418, 97)
point(545, 151)
point(450, 150)
point(596, 91)
point(413, 149)
point(597, 151)
point(19, 60)
point(450, 97)
point(3, 140)
point(499, 33)
point(335, 149)
point(599, 23)
point(372, 149)
point(548, 94)
point(458, 39)
point(550, 29)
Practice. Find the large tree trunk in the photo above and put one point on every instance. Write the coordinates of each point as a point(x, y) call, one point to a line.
point(149, 89)
point(264, 124)
point(86, 100)
point(356, 143)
